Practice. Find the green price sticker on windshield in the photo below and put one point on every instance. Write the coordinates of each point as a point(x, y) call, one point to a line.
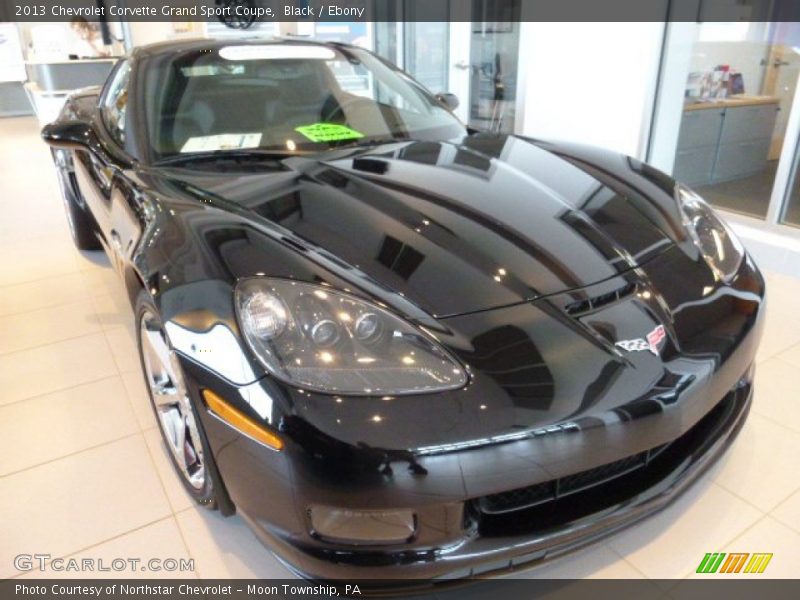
point(328, 132)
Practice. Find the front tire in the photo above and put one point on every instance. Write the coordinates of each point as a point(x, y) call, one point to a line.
point(81, 224)
point(175, 411)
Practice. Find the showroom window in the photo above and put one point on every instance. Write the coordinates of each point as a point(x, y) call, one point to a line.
point(724, 121)
point(790, 214)
point(420, 44)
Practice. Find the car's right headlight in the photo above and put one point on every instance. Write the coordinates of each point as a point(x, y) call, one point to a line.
point(721, 249)
point(329, 341)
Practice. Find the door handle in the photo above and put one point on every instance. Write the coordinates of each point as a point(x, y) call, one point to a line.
point(463, 65)
point(775, 63)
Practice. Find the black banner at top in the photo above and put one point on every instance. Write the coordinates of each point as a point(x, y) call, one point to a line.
point(245, 11)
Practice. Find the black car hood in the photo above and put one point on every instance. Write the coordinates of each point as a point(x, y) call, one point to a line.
point(455, 227)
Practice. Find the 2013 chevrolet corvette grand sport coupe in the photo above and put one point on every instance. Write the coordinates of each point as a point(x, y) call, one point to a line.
point(399, 347)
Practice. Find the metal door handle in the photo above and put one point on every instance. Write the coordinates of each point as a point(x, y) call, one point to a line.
point(462, 65)
point(776, 63)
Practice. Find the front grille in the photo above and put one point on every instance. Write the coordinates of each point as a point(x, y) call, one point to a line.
point(554, 503)
point(603, 473)
point(571, 484)
point(519, 498)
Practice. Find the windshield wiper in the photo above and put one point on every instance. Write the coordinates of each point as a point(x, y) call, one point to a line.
point(234, 155)
point(368, 143)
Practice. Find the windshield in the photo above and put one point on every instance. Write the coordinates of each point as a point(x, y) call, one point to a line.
point(285, 98)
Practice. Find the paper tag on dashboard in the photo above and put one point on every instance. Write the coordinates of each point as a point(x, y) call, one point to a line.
point(222, 141)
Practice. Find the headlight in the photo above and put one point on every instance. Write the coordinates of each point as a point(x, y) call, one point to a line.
point(719, 246)
point(328, 341)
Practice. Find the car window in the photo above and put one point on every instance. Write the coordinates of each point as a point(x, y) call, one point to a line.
point(284, 98)
point(115, 103)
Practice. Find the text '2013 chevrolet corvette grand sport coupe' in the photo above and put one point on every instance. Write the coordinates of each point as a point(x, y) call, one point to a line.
point(397, 346)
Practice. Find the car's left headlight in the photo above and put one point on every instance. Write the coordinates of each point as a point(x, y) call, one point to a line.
point(330, 341)
point(721, 249)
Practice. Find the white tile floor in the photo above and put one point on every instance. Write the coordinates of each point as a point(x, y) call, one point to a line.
point(83, 472)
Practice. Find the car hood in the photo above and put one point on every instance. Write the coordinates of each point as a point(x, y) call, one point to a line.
point(459, 226)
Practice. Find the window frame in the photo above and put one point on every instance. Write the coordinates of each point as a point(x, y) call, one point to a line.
point(108, 129)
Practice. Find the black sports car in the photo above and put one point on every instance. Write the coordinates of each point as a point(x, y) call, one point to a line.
point(399, 347)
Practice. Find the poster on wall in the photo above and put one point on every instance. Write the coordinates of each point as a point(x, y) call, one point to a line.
point(12, 62)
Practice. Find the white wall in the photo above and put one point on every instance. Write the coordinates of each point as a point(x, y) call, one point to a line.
point(160, 31)
point(680, 42)
point(149, 33)
point(592, 83)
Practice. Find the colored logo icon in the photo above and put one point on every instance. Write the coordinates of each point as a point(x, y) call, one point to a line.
point(652, 343)
point(734, 562)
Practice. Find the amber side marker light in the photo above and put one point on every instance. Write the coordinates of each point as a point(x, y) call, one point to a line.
point(240, 421)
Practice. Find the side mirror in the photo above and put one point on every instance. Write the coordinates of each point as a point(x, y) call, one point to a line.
point(68, 134)
point(449, 100)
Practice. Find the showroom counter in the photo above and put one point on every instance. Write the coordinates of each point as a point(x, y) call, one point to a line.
point(723, 140)
point(68, 75)
point(732, 101)
point(49, 82)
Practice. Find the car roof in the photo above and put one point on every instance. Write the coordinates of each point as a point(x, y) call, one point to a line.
point(188, 45)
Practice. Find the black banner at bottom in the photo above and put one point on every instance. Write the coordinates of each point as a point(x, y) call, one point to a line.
point(494, 589)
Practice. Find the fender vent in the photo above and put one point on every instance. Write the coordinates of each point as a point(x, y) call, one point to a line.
point(593, 303)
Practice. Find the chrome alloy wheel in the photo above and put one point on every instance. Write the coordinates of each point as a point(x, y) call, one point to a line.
point(171, 399)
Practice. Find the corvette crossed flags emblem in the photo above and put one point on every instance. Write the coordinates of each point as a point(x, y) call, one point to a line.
point(651, 342)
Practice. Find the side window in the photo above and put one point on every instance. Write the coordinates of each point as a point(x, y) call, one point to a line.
point(115, 103)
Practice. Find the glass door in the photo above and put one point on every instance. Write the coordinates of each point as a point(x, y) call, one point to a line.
point(484, 60)
point(494, 55)
point(476, 60)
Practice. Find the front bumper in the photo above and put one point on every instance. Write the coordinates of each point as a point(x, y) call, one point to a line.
point(677, 430)
point(633, 498)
